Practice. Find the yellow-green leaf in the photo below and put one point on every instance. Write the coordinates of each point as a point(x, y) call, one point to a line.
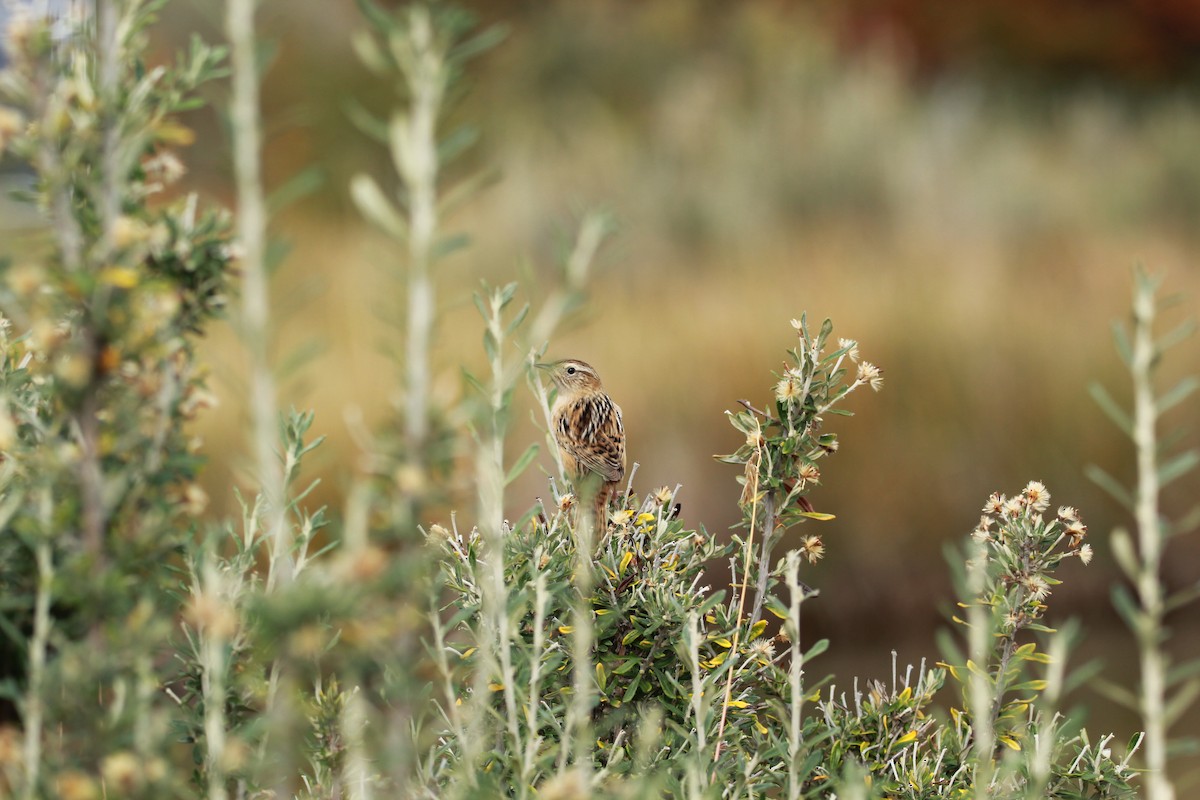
point(1010, 742)
point(911, 736)
point(757, 628)
point(625, 559)
point(601, 677)
point(817, 515)
point(566, 630)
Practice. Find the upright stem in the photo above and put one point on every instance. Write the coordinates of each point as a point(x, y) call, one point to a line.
point(1150, 542)
point(255, 317)
point(212, 686)
point(33, 715)
point(981, 625)
point(415, 151)
point(583, 640)
point(764, 558)
point(490, 475)
point(256, 330)
point(795, 677)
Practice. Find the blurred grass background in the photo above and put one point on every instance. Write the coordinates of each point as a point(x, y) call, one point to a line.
point(964, 189)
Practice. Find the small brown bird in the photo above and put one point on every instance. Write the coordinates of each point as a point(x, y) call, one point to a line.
point(589, 433)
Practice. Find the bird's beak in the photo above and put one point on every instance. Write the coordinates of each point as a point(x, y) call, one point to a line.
point(543, 366)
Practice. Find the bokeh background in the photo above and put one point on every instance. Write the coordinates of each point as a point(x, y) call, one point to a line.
point(964, 188)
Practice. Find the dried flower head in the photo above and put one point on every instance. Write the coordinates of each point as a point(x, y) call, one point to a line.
point(762, 651)
point(812, 548)
point(994, 504)
point(787, 390)
point(1036, 585)
point(1036, 495)
point(870, 374)
point(851, 348)
point(1068, 514)
point(1085, 554)
point(1013, 506)
point(663, 495)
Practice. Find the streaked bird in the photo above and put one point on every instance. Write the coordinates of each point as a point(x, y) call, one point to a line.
point(589, 433)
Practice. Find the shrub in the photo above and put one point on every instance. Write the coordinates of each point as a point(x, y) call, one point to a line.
point(295, 652)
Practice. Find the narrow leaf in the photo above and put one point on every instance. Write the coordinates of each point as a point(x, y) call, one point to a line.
point(481, 42)
point(1123, 552)
point(456, 142)
point(373, 205)
point(1183, 747)
point(295, 188)
point(1118, 694)
point(1128, 609)
point(1108, 483)
point(1177, 394)
point(1183, 672)
point(1182, 699)
point(365, 121)
point(1176, 335)
point(446, 245)
point(1111, 409)
point(1178, 466)
point(521, 464)
point(820, 646)
point(1182, 598)
point(1121, 341)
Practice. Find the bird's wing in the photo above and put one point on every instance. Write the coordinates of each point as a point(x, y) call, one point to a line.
point(594, 436)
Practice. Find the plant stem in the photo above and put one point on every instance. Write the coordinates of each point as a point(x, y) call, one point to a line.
point(255, 316)
point(795, 677)
point(764, 558)
point(1150, 543)
point(981, 625)
point(212, 686)
point(490, 478)
point(737, 631)
point(33, 715)
point(415, 151)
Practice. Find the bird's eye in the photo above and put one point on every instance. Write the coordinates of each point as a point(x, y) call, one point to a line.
point(570, 370)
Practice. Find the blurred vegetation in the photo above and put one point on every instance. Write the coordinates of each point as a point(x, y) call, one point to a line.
point(979, 231)
point(967, 192)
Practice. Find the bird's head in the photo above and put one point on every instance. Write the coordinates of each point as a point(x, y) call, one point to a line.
point(572, 376)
